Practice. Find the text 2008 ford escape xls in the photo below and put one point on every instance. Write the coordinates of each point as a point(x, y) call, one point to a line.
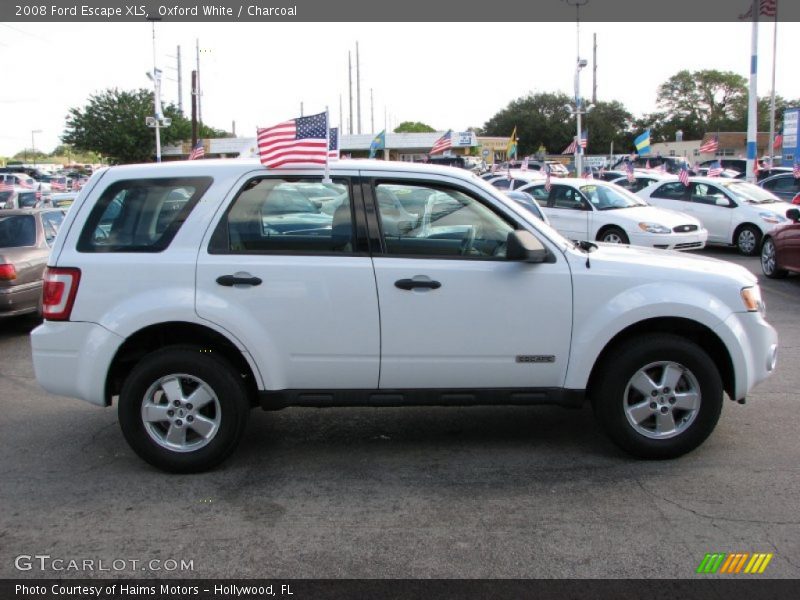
point(194, 291)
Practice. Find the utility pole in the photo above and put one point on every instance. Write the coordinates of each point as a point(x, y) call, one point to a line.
point(358, 87)
point(180, 82)
point(301, 108)
point(194, 108)
point(341, 128)
point(233, 127)
point(594, 71)
point(199, 92)
point(350, 89)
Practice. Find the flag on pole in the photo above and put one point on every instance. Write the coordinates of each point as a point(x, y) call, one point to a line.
point(524, 166)
point(511, 147)
point(198, 151)
point(642, 143)
point(715, 170)
point(443, 143)
point(584, 138)
point(571, 148)
point(629, 171)
point(6, 186)
point(547, 183)
point(710, 146)
point(303, 140)
point(796, 169)
point(378, 143)
point(767, 8)
point(683, 176)
point(333, 144)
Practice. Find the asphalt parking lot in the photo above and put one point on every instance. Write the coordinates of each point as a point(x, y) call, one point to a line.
point(418, 492)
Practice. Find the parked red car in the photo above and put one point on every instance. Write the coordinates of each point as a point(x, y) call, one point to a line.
point(780, 252)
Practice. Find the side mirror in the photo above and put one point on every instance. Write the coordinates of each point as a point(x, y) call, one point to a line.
point(523, 245)
point(793, 214)
point(721, 201)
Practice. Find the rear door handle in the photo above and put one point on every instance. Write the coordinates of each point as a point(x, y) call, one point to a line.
point(410, 284)
point(231, 280)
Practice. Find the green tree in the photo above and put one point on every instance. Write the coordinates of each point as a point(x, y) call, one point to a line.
point(544, 119)
point(697, 101)
point(413, 127)
point(112, 124)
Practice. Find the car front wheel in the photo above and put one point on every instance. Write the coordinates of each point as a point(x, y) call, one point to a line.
point(769, 261)
point(614, 235)
point(658, 397)
point(183, 409)
point(748, 237)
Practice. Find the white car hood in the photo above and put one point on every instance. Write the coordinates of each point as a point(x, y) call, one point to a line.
point(654, 214)
point(657, 262)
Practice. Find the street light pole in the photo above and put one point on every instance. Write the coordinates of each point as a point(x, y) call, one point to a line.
point(579, 65)
point(33, 145)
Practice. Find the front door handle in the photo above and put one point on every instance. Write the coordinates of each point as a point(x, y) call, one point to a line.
point(231, 280)
point(410, 284)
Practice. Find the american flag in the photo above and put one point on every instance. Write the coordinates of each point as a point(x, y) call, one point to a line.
point(683, 176)
point(587, 173)
point(768, 8)
point(571, 148)
point(547, 184)
point(58, 184)
point(584, 139)
point(629, 171)
point(6, 186)
point(302, 140)
point(796, 170)
point(198, 151)
point(715, 170)
point(524, 166)
point(24, 182)
point(333, 143)
point(712, 145)
point(647, 164)
point(443, 143)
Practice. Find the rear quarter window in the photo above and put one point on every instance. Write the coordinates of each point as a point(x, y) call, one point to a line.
point(141, 215)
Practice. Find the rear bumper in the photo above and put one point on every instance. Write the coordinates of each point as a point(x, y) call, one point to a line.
point(20, 299)
point(72, 359)
point(753, 347)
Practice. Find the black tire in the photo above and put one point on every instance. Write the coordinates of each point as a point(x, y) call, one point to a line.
point(769, 260)
point(608, 395)
point(229, 410)
point(612, 234)
point(748, 240)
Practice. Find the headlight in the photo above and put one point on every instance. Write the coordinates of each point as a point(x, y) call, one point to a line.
point(751, 296)
point(771, 217)
point(654, 228)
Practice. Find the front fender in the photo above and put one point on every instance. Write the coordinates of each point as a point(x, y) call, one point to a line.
point(598, 321)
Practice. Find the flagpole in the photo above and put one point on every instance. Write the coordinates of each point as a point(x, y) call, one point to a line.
point(772, 99)
point(327, 178)
point(752, 106)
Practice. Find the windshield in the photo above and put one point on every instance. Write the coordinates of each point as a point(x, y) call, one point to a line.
point(749, 192)
point(608, 198)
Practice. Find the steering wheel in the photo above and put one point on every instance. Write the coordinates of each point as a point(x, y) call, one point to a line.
point(469, 241)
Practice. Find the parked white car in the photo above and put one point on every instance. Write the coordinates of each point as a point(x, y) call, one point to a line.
point(733, 211)
point(642, 179)
point(190, 292)
point(590, 209)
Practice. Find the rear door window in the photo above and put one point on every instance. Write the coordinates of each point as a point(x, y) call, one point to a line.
point(141, 215)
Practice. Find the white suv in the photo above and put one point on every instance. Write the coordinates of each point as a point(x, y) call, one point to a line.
point(194, 291)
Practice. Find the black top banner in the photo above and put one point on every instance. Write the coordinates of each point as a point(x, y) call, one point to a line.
point(404, 11)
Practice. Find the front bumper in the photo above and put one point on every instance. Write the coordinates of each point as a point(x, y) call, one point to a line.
point(753, 347)
point(73, 358)
point(694, 240)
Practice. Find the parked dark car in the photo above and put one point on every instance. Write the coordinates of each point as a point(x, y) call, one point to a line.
point(785, 186)
point(780, 252)
point(26, 237)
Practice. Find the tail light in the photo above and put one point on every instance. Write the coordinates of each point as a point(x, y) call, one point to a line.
point(58, 293)
point(7, 272)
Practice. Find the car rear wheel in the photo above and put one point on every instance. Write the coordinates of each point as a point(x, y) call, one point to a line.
point(769, 261)
point(658, 397)
point(183, 409)
point(748, 238)
point(613, 235)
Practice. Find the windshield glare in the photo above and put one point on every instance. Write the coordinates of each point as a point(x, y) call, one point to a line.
point(608, 198)
point(751, 193)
